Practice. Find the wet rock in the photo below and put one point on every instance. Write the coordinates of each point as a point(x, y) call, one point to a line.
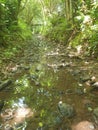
point(84, 125)
point(93, 80)
point(95, 85)
point(5, 84)
point(85, 78)
point(66, 110)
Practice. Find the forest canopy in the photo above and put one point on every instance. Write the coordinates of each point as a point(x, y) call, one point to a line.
point(68, 22)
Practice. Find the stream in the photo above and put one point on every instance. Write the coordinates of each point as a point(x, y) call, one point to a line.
point(42, 77)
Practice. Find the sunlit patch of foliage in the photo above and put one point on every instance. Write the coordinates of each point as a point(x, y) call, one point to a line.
point(10, 29)
point(25, 31)
point(22, 84)
point(59, 30)
point(82, 30)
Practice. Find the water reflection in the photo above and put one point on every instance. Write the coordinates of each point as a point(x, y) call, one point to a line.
point(19, 103)
point(15, 116)
point(36, 105)
point(22, 84)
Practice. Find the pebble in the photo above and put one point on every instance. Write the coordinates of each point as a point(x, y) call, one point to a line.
point(95, 85)
point(84, 125)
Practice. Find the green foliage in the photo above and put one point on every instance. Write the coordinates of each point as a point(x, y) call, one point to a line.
point(93, 48)
point(73, 22)
point(31, 14)
point(8, 21)
point(11, 27)
point(82, 30)
point(94, 12)
point(10, 52)
point(3, 29)
point(58, 30)
point(25, 32)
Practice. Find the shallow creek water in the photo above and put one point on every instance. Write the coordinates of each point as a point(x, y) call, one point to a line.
point(33, 103)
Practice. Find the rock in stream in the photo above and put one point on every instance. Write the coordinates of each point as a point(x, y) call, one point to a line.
point(66, 110)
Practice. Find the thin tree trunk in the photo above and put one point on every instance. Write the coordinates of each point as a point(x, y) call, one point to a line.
point(69, 10)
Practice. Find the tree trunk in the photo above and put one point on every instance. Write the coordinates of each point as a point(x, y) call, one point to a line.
point(69, 10)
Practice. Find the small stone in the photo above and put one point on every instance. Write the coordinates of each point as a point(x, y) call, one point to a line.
point(93, 79)
point(84, 125)
point(95, 85)
point(85, 78)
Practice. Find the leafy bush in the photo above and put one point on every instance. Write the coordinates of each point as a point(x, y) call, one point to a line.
point(93, 49)
point(25, 30)
point(59, 30)
point(10, 29)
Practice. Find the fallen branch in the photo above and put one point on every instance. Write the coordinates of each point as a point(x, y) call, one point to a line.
point(5, 84)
